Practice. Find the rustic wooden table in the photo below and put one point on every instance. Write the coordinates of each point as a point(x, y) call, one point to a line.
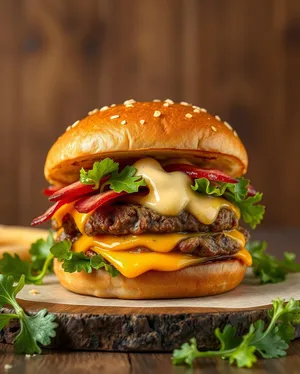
point(152, 363)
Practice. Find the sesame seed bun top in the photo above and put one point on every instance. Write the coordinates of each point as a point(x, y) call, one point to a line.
point(160, 129)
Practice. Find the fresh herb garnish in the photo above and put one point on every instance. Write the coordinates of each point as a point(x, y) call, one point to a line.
point(34, 330)
point(123, 181)
point(251, 212)
point(34, 270)
point(266, 340)
point(267, 267)
point(78, 261)
point(100, 169)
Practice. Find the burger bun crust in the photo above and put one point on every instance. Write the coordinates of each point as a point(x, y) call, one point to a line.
point(202, 280)
point(146, 129)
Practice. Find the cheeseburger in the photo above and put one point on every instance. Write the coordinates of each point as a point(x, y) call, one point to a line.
point(147, 203)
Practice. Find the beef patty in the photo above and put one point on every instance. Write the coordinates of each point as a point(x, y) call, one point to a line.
point(135, 220)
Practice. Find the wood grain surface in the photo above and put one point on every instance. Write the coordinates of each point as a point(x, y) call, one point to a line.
point(60, 59)
point(136, 363)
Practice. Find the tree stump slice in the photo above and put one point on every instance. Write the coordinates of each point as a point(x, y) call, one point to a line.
point(136, 329)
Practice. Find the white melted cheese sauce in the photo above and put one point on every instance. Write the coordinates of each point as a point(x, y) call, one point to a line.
point(170, 193)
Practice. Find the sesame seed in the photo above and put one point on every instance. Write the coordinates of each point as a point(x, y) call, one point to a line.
point(75, 123)
point(33, 292)
point(227, 125)
point(124, 122)
point(27, 356)
point(196, 110)
point(156, 100)
point(189, 115)
point(169, 101)
point(7, 367)
point(130, 101)
point(203, 110)
point(112, 105)
point(235, 133)
point(166, 104)
point(104, 108)
point(196, 107)
point(115, 116)
point(142, 121)
point(68, 128)
point(213, 128)
point(218, 118)
point(184, 103)
point(93, 111)
point(157, 113)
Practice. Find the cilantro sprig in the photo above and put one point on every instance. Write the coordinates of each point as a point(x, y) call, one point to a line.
point(123, 181)
point(252, 213)
point(78, 261)
point(33, 270)
point(266, 340)
point(267, 267)
point(34, 330)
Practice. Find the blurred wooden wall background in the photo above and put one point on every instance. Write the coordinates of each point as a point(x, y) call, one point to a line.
point(240, 59)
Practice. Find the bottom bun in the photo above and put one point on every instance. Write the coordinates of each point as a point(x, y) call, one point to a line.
point(201, 280)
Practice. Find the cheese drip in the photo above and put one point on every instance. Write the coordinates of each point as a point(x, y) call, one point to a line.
point(170, 193)
point(134, 264)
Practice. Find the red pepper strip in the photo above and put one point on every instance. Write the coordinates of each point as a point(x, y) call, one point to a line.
point(48, 214)
point(49, 191)
point(72, 191)
point(75, 190)
point(87, 204)
point(194, 172)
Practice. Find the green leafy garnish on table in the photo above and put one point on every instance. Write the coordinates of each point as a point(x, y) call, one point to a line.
point(34, 270)
point(78, 261)
point(269, 340)
point(252, 213)
point(34, 330)
point(123, 181)
point(267, 267)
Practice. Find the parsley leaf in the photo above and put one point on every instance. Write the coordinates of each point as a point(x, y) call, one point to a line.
point(268, 341)
point(39, 252)
point(243, 355)
point(100, 169)
point(97, 262)
point(34, 330)
point(78, 261)
point(125, 180)
point(227, 337)
point(62, 250)
point(237, 193)
point(251, 212)
point(267, 267)
point(34, 270)
point(15, 267)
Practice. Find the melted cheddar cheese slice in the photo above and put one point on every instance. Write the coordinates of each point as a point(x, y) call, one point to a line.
point(118, 250)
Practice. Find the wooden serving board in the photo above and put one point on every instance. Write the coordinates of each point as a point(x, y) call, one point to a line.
point(87, 323)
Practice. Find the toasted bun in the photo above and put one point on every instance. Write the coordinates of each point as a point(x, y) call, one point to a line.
point(201, 280)
point(15, 239)
point(146, 129)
